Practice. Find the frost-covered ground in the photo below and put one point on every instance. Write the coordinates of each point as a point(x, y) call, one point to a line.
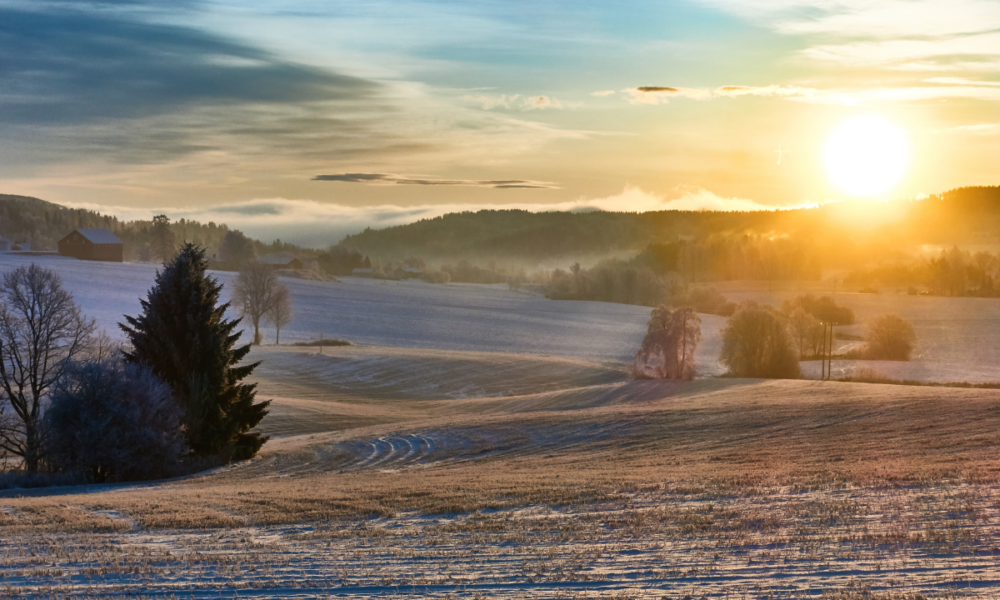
point(713, 488)
point(485, 443)
point(410, 314)
point(956, 337)
point(647, 544)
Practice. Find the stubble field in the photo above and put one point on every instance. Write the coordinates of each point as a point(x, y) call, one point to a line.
point(531, 468)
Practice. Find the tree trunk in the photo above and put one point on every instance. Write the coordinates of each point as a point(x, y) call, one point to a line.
point(32, 450)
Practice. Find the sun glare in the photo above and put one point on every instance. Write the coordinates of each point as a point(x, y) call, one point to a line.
point(866, 155)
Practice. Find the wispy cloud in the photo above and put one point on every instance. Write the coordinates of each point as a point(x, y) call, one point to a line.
point(942, 88)
point(79, 66)
point(541, 102)
point(895, 95)
point(863, 18)
point(778, 91)
point(119, 91)
point(962, 81)
point(319, 224)
point(983, 46)
point(663, 94)
point(491, 102)
point(603, 93)
point(390, 179)
point(656, 94)
point(908, 35)
point(513, 102)
point(979, 129)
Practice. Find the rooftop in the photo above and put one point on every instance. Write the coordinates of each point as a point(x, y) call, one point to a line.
point(99, 236)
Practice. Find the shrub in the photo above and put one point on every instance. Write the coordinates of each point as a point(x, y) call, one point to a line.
point(113, 421)
point(436, 276)
point(704, 300)
point(755, 343)
point(869, 375)
point(324, 342)
point(823, 308)
point(890, 338)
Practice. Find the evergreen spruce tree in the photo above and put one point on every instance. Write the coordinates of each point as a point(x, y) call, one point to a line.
point(183, 337)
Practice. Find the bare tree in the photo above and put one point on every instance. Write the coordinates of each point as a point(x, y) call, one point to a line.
point(806, 331)
point(667, 351)
point(41, 332)
point(281, 313)
point(255, 291)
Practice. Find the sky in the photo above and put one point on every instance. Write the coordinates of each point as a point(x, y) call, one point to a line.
point(309, 119)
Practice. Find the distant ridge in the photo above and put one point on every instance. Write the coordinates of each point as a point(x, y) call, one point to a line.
point(526, 236)
point(959, 216)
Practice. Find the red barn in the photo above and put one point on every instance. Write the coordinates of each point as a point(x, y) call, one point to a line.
point(92, 244)
point(282, 261)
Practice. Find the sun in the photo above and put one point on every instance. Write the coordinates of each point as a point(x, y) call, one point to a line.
point(866, 155)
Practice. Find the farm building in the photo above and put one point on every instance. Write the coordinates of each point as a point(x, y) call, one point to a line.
point(282, 261)
point(92, 244)
point(362, 272)
point(5, 244)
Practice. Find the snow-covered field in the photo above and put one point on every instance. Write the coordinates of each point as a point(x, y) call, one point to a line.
point(957, 338)
point(410, 314)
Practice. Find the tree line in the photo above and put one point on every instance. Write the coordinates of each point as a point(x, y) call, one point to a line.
point(625, 282)
point(761, 341)
point(787, 242)
point(953, 272)
point(172, 400)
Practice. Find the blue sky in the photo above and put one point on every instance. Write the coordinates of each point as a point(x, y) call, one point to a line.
point(212, 108)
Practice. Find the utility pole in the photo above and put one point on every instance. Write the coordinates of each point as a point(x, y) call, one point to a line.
point(822, 356)
point(826, 367)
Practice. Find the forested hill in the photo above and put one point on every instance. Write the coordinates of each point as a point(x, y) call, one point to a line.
point(838, 234)
point(528, 235)
point(43, 224)
point(523, 235)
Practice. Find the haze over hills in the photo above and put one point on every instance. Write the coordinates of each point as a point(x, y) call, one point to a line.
point(837, 235)
point(518, 234)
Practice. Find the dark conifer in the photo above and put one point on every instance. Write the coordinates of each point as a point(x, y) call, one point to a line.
point(183, 337)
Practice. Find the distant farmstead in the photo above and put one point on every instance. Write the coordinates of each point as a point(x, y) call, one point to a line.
point(92, 244)
point(282, 261)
